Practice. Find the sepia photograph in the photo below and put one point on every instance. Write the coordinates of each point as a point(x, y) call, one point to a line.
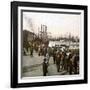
point(51, 43)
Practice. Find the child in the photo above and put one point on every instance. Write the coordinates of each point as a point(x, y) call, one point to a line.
point(45, 66)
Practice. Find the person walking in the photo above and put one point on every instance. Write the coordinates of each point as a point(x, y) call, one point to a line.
point(58, 57)
point(47, 58)
point(31, 49)
point(70, 67)
point(45, 66)
point(54, 57)
point(75, 64)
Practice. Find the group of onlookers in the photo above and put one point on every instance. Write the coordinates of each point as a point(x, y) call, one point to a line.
point(64, 59)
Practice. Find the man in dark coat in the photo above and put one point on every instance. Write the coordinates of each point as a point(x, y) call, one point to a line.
point(54, 56)
point(45, 66)
point(70, 64)
point(58, 57)
point(31, 50)
point(63, 60)
point(75, 64)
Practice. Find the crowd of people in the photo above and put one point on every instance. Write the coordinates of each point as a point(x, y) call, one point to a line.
point(65, 59)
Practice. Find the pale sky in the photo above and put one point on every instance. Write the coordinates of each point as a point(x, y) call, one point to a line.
point(57, 24)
